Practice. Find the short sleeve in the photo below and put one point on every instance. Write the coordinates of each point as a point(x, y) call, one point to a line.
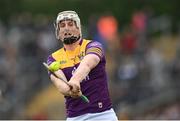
point(95, 48)
point(50, 59)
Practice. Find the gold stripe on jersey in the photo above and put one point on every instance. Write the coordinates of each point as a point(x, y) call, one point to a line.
point(65, 56)
point(94, 50)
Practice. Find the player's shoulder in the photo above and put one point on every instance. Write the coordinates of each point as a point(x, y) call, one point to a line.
point(94, 43)
point(56, 54)
point(59, 51)
point(85, 41)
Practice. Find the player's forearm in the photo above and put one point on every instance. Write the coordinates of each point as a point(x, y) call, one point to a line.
point(81, 73)
point(86, 65)
point(60, 85)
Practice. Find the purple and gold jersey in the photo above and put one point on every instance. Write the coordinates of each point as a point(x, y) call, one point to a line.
point(94, 86)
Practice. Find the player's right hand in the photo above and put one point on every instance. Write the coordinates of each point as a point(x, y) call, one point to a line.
point(69, 92)
point(75, 94)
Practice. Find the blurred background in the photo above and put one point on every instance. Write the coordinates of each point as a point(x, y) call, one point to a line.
point(142, 43)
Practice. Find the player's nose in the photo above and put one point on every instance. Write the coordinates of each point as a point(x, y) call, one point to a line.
point(67, 34)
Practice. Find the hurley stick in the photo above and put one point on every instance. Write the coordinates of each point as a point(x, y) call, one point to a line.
point(83, 97)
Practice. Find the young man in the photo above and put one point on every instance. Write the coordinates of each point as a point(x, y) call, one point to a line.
point(83, 65)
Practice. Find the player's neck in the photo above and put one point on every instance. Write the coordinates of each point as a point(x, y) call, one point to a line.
point(73, 46)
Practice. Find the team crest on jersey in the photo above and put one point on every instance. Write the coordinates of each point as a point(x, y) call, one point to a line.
point(81, 55)
point(100, 104)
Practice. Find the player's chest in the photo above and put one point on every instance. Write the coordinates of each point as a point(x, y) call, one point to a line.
point(71, 60)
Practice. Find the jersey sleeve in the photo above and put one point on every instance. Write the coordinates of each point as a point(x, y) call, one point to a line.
point(50, 59)
point(95, 48)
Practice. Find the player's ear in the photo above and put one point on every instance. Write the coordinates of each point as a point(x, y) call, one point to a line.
point(54, 23)
point(56, 29)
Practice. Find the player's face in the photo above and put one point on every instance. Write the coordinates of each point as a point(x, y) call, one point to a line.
point(68, 28)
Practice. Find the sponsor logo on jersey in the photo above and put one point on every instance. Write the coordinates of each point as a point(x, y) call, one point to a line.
point(63, 62)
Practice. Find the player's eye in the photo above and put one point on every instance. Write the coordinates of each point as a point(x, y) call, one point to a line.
point(61, 24)
point(70, 23)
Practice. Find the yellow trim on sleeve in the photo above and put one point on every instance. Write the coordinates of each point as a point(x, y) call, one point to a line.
point(95, 50)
